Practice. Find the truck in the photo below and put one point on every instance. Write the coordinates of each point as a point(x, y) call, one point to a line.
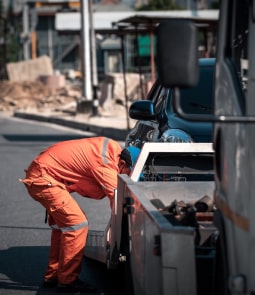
point(182, 222)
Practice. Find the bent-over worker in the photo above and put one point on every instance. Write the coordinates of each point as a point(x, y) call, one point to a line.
point(89, 167)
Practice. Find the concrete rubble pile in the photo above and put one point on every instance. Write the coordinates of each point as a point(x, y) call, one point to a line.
point(35, 97)
point(33, 86)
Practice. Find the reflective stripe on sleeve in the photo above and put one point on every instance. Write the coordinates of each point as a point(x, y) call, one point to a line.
point(104, 150)
point(70, 228)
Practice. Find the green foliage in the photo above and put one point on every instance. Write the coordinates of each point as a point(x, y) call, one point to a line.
point(13, 42)
point(9, 43)
point(2, 42)
point(13, 52)
point(159, 5)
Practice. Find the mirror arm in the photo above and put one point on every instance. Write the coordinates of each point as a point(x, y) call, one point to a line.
point(207, 118)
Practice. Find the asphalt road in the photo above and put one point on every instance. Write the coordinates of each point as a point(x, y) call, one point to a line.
point(24, 237)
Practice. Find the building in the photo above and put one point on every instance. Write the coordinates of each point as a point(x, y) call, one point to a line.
point(53, 28)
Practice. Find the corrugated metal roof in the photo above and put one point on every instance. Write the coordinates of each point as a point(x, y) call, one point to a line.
point(71, 21)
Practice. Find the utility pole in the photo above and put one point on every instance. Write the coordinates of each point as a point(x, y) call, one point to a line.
point(26, 31)
point(86, 45)
point(94, 62)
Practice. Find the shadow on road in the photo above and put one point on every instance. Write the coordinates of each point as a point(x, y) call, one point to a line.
point(22, 268)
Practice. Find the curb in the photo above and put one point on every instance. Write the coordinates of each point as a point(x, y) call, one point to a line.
point(114, 133)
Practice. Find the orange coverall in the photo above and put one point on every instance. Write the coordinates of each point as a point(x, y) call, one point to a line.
point(87, 166)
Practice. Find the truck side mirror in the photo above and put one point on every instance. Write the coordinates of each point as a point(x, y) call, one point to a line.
point(177, 53)
point(142, 110)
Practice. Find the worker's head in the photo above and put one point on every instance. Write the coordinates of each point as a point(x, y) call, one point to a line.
point(128, 158)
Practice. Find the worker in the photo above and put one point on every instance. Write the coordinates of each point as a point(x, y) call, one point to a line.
point(88, 166)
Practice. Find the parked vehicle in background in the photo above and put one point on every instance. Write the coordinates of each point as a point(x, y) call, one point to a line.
point(157, 119)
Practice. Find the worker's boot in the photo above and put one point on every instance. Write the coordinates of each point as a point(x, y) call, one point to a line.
point(76, 286)
point(50, 283)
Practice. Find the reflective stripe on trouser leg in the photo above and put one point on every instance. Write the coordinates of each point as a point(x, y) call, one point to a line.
point(70, 228)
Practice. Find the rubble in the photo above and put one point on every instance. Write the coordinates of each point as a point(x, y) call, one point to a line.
point(35, 96)
point(39, 96)
point(33, 86)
